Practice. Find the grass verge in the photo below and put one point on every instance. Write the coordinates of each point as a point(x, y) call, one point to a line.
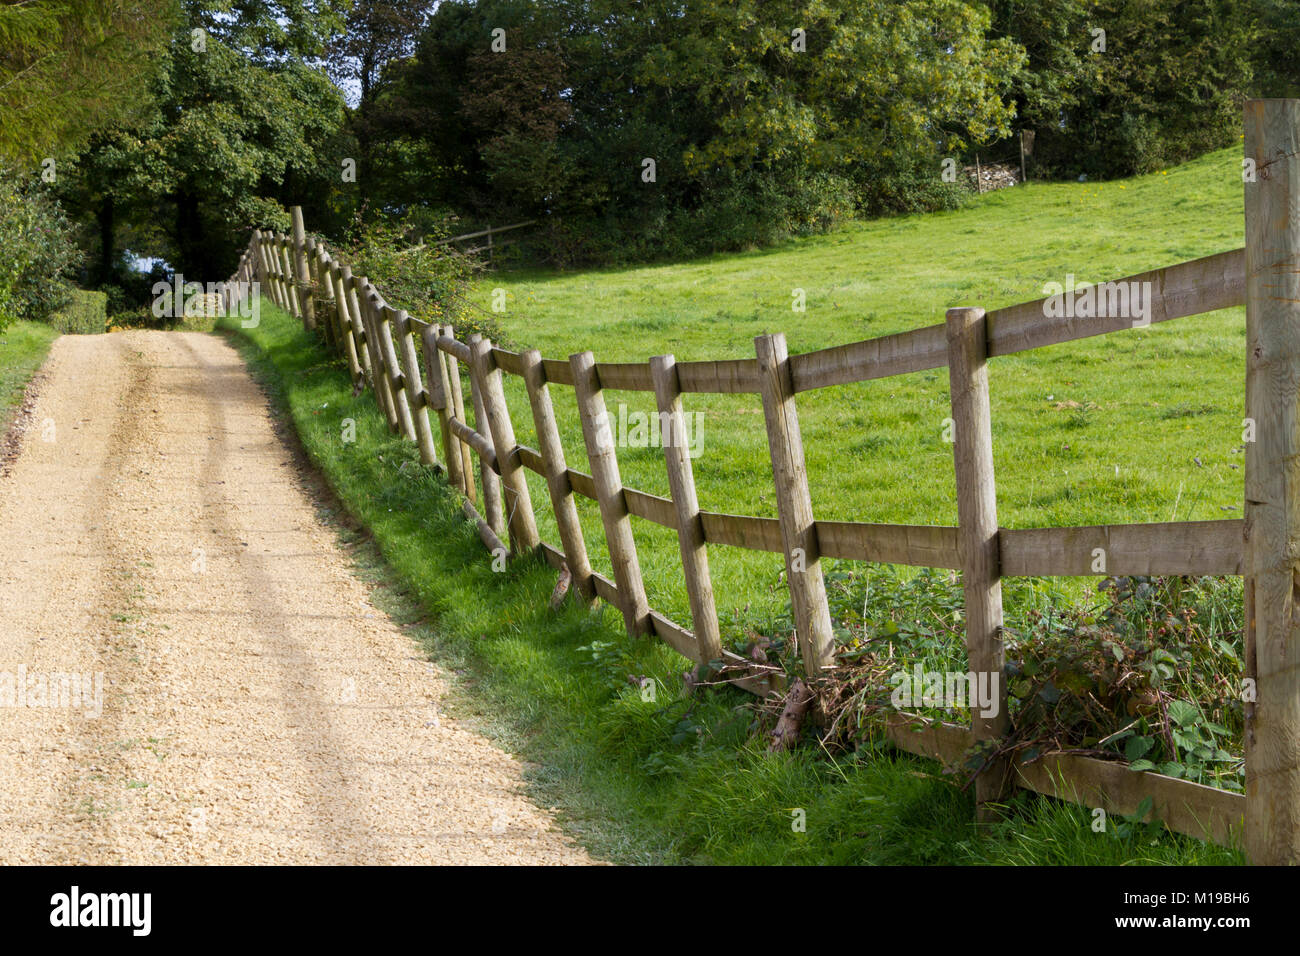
point(23, 347)
point(670, 779)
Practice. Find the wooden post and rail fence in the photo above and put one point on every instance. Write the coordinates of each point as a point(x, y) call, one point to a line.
point(414, 371)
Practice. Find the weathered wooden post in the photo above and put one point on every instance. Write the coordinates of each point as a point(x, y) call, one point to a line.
point(812, 615)
point(440, 399)
point(557, 473)
point(599, 440)
point(491, 482)
point(977, 535)
point(1272, 500)
point(415, 392)
point(456, 397)
point(302, 270)
point(518, 502)
point(690, 529)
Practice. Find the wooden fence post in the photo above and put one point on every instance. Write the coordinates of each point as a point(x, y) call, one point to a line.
point(440, 398)
point(271, 270)
point(1272, 499)
point(599, 440)
point(977, 536)
point(803, 567)
point(314, 277)
point(365, 348)
point(490, 480)
point(392, 371)
point(690, 529)
point(557, 473)
point(302, 272)
point(518, 502)
point(347, 330)
point(415, 393)
point(289, 278)
point(378, 366)
point(457, 399)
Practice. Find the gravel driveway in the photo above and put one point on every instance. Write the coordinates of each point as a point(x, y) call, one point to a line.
point(158, 541)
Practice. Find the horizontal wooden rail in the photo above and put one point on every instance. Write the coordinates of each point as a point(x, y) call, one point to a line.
point(476, 440)
point(1189, 288)
point(926, 546)
point(452, 347)
point(1182, 547)
point(1206, 813)
point(742, 531)
point(650, 507)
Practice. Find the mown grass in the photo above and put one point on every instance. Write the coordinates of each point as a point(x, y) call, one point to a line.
point(674, 779)
point(23, 347)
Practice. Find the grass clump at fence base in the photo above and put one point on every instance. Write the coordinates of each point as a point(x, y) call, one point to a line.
point(636, 776)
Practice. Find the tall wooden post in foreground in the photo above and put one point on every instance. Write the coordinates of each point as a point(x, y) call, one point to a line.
point(803, 569)
point(599, 439)
point(977, 536)
point(302, 273)
point(1272, 505)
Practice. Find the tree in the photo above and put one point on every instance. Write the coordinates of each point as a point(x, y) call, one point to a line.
point(235, 135)
point(69, 67)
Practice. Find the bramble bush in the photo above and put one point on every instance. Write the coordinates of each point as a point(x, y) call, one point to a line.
point(401, 258)
point(37, 252)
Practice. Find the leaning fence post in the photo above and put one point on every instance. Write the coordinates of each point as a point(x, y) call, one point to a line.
point(440, 399)
point(302, 270)
point(392, 371)
point(491, 481)
point(346, 328)
point(690, 530)
point(416, 395)
point(289, 278)
point(803, 567)
point(457, 399)
point(1272, 499)
point(977, 536)
point(557, 473)
point(378, 365)
point(518, 502)
point(609, 493)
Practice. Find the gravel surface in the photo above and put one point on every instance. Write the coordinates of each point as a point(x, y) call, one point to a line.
point(256, 707)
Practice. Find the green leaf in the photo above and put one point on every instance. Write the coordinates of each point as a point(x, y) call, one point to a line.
point(1137, 747)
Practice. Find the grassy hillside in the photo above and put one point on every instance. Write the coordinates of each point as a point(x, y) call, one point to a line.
point(1143, 425)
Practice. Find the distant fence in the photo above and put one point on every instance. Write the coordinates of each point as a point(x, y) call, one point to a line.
point(414, 368)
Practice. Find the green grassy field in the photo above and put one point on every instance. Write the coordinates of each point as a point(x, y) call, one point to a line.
point(1138, 426)
point(23, 347)
point(675, 779)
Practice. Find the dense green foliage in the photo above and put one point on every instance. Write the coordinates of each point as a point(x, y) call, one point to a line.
point(68, 67)
point(86, 313)
point(657, 129)
point(37, 252)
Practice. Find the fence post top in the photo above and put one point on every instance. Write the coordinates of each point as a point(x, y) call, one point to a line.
point(662, 361)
